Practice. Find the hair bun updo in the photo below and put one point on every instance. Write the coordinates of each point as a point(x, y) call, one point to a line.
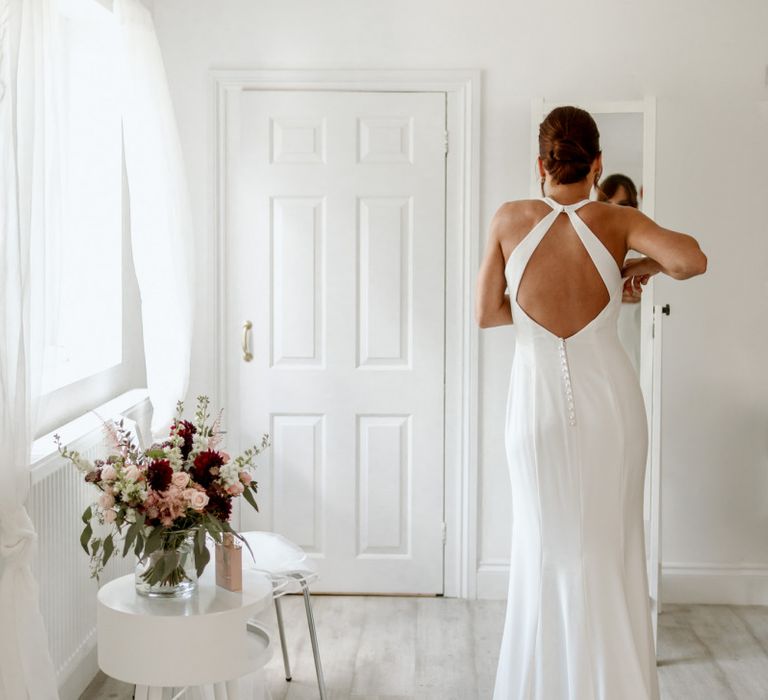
point(569, 142)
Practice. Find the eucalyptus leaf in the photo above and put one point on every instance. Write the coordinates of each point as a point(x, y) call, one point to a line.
point(249, 497)
point(154, 541)
point(85, 537)
point(109, 547)
point(202, 557)
point(130, 537)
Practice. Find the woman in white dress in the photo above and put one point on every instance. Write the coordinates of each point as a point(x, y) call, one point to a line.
point(577, 624)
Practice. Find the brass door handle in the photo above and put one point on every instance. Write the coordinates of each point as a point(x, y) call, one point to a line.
point(247, 354)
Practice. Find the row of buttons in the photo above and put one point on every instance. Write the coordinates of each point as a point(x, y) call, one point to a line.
point(567, 382)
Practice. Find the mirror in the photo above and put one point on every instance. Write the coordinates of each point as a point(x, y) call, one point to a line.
point(627, 140)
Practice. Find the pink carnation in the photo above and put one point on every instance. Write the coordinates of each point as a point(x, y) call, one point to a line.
point(246, 477)
point(110, 516)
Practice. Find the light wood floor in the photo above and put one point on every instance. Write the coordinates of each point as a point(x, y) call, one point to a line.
point(389, 648)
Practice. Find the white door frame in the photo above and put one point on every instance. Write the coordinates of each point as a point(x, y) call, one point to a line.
point(462, 90)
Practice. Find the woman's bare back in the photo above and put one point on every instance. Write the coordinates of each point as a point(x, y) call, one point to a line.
point(561, 289)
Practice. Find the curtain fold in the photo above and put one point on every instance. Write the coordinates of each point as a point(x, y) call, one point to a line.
point(30, 213)
point(161, 220)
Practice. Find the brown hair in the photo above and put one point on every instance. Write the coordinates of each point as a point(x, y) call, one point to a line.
point(568, 144)
point(608, 187)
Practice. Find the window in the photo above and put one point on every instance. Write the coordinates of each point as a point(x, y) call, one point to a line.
point(95, 349)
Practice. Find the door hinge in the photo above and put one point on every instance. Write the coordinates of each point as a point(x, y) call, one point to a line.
point(443, 531)
point(445, 141)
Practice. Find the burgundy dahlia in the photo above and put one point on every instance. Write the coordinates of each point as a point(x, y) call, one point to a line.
point(219, 504)
point(206, 467)
point(159, 474)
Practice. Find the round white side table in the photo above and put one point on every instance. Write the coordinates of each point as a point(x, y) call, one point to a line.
point(202, 640)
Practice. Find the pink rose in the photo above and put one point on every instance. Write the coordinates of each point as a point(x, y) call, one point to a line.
point(108, 473)
point(197, 499)
point(133, 473)
point(246, 478)
point(106, 500)
point(236, 489)
point(225, 457)
point(109, 516)
point(180, 479)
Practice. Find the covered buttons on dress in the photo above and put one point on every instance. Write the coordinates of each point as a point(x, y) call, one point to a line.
point(565, 370)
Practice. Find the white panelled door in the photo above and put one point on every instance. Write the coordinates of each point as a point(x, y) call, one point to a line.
point(335, 251)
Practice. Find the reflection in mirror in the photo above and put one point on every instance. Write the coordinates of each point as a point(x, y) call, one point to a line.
point(621, 140)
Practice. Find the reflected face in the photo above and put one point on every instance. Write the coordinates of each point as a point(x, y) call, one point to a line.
point(620, 197)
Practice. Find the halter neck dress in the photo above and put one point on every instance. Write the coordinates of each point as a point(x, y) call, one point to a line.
point(578, 620)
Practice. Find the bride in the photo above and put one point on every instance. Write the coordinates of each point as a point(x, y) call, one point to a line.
point(577, 623)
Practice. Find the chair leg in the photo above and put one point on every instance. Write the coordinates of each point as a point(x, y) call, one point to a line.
point(313, 639)
point(284, 647)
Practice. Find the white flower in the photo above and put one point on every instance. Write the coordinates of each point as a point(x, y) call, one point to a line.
point(83, 465)
point(175, 459)
point(199, 444)
point(229, 474)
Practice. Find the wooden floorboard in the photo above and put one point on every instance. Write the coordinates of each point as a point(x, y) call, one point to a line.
point(420, 648)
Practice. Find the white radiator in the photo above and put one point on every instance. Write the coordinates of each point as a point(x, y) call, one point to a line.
point(57, 499)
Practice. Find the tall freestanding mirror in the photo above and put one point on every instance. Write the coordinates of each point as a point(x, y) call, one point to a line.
point(628, 142)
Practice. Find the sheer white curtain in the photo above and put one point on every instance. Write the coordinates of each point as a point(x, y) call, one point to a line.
point(30, 201)
point(161, 222)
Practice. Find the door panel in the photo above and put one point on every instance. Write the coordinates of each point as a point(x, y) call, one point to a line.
point(335, 250)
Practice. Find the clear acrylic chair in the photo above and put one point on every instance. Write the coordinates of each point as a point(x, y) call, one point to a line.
point(291, 570)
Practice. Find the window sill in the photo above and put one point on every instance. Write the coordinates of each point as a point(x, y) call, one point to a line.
point(44, 449)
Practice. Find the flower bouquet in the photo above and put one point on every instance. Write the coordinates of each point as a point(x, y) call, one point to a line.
point(162, 503)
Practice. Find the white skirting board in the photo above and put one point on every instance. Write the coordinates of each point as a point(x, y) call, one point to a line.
point(681, 582)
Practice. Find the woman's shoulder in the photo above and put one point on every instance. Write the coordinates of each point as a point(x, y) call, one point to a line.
point(514, 219)
point(517, 207)
point(611, 218)
point(518, 213)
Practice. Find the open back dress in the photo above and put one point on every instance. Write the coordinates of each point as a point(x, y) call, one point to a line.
point(578, 618)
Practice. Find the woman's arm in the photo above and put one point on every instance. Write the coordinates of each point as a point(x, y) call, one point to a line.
point(492, 306)
point(675, 254)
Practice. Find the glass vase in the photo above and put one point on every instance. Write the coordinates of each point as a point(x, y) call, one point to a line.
point(169, 571)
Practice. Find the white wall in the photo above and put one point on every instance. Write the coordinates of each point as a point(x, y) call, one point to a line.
point(705, 61)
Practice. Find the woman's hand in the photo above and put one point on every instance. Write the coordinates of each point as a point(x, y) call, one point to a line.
point(633, 289)
point(636, 273)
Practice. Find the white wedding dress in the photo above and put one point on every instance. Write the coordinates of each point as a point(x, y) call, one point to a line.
point(577, 623)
